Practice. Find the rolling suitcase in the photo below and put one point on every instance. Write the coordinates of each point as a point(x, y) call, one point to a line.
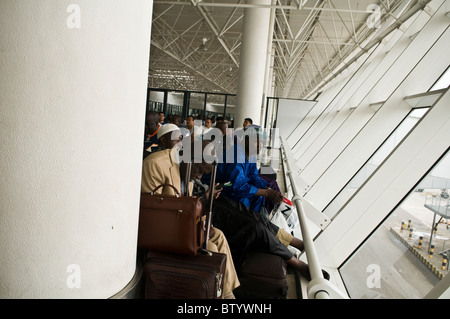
point(262, 275)
point(175, 276)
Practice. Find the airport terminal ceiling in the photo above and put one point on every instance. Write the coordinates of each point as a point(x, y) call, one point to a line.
point(195, 44)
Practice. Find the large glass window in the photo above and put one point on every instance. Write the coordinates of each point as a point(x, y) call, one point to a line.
point(377, 158)
point(197, 104)
point(397, 260)
point(215, 105)
point(443, 82)
point(230, 109)
point(200, 105)
point(174, 103)
point(156, 101)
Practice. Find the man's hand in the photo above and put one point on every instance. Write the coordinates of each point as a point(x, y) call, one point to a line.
point(271, 194)
point(274, 196)
point(217, 191)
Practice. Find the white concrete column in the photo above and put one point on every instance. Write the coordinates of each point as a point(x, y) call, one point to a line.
point(252, 63)
point(73, 79)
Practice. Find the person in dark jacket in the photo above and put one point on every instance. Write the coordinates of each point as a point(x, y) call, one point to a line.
point(233, 211)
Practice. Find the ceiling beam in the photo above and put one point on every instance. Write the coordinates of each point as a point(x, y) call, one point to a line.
point(197, 3)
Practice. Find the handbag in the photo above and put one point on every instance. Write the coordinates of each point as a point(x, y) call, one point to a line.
point(171, 223)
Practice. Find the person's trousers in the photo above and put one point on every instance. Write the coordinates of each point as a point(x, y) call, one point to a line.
point(218, 243)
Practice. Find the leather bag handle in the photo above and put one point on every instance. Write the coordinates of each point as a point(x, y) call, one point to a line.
point(177, 193)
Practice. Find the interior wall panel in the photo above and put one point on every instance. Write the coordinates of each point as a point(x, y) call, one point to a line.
point(393, 76)
point(389, 115)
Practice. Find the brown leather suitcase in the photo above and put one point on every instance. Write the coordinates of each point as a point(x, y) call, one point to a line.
point(262, 275)
point(171, 223)
point(174, 276)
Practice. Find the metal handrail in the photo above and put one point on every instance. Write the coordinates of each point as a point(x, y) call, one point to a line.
point(318, 288)
point(310, 250)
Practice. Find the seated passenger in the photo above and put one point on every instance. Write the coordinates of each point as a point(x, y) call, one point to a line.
point(166, 140)
point(235, 214)
point(247, 230)
point(163, 167)
point(239, 167)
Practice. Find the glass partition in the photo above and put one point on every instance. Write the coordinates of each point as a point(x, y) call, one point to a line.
point(377, 158)
point(407, 255)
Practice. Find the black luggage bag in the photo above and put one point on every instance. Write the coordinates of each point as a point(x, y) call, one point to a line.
point(262, 275)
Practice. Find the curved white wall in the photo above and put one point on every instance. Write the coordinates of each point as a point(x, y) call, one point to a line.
point(73, 87)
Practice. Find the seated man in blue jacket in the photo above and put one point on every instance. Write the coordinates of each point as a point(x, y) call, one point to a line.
point(240, 169)
point(246, 228)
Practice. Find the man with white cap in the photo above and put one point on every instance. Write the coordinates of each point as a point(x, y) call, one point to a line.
point(163, 167)
point(169, 135)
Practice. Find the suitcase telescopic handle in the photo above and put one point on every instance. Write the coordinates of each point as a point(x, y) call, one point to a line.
point(187, 178)
point(212, 186)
